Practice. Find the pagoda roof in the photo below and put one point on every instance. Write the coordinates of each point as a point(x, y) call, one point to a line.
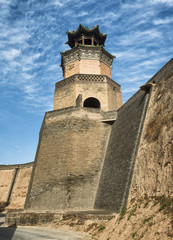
point(94, 31)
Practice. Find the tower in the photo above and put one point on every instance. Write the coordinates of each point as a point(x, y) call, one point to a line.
point(87, 72)
point(74, 136)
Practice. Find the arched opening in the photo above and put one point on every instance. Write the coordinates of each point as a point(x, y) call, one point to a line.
point(91, 103)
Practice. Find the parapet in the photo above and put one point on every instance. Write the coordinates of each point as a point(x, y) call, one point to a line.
point(100, 87)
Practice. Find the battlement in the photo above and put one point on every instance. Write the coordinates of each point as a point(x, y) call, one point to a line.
point(88, 78)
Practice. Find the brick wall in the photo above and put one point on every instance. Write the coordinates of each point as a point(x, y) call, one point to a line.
point(89, 66)
point(72, 68)
point(105, 70)
point(154, 166)
point(6, 178)
point(20, 189)
point(69, 159)
point(65, 96)
point(85, 66)
point(119, 162)
point(14, 181)
point(89, 85)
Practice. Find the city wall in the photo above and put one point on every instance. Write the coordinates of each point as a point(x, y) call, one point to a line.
point(14, 181)
point(118, 166)
point(153, 171)
point(136, 163)
point(127, 160)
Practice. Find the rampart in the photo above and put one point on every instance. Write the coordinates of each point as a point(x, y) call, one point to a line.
point(14, 181)
point(123, 148)
point(69, 160)
point(89, 160)
point(120, 158)
point(153, 171)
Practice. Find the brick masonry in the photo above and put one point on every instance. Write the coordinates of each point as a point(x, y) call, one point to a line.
point(14, 181)
point(85, 157)
point(118, 166)
point(77, 166)
point(69, 160)
point(101, 87)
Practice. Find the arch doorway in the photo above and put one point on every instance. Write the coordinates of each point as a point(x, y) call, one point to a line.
point(92, 102)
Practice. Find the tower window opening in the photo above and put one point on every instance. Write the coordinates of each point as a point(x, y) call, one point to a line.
point(87, 42)
point(80, 41)
point(95, 43)
point(91, 103)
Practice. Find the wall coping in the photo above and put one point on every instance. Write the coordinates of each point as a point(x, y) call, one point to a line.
point(13, 166)
point(165, 72)
point(102, 116)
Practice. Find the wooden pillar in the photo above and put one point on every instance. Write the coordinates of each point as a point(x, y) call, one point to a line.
point(82, 40)
point(92, 41)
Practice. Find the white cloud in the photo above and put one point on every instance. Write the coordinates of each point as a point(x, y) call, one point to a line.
point(58, 3)
point(82, 3)
point(30, 89)
point(101, 18)
point(147, 63)
point(26, 68)
point(26, 76)
point(162, 21)
point(137, 78)
point(131, 53)
point(130, 90)
point(5, 1)
point(20, 38)
point(67, 13)
point(81, 14)
point(53, 67)
point(11, 54)
point(14, 64)
point(169, 2)
point(30, 59)
point(139, 36)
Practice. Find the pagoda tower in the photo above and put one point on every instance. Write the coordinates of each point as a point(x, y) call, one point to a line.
point(74, 136)
point(87, 72)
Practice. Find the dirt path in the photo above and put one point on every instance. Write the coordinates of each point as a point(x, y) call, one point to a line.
point(37, 233)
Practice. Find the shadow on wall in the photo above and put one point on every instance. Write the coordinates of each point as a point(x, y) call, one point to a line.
point(120, 159)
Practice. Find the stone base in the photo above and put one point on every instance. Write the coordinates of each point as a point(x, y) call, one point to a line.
point(40, 218)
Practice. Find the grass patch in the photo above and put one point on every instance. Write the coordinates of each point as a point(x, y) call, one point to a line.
point(110, 218)
point(142, 235)
point(155, 203)
point(123, 212)
point(101, 228)
point(134, 234)
point(151, 223)
point(146, 204)
point(132, 212)
point(166, 204)
point(147, 219)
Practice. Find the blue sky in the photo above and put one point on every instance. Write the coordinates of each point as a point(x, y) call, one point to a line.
point(32, 35)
